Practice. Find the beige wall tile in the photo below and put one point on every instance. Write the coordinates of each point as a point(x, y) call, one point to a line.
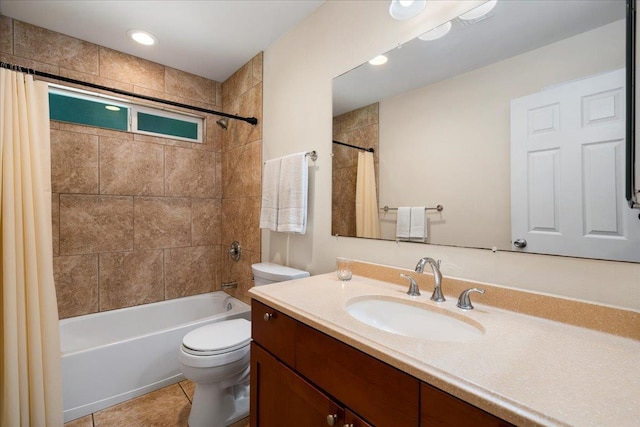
point(219, 172)
point(76, 279)
point(130, 278)
point(28, 63)
point(344, 185)
point(248, 105)
point(6, 34)
point(205, 221)
point(115, 84)
point(239, 82)
point(55, 223)
point(241, 221)
point(190, 86)
point(162, 222)
point(189, 271)
point(241, 171)
point(139, 90)
point(54, 48)
point(256, 68)
point(74, 162)
point(130, 167)
point(189, 173)
point(214, 134)
point(240, 272)
point(90, 224)
point(130, 69)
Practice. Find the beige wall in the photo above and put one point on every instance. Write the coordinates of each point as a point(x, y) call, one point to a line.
point(298, 72)
point(417, 133)
point(360, 128)
point(139, 219)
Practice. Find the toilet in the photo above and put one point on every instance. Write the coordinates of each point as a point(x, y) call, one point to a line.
point(216, 358)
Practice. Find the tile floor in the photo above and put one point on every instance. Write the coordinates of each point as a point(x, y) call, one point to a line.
point(167, 407)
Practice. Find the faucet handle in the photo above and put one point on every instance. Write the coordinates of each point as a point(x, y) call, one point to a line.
point(414, 290)
point(464, 301)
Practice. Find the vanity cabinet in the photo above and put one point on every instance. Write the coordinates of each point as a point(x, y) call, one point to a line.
point(302, 377)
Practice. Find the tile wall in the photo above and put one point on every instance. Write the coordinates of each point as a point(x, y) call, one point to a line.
point(139, 219)
point(360, 128)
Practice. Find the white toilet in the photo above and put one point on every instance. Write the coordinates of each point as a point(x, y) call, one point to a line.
point(216, 358)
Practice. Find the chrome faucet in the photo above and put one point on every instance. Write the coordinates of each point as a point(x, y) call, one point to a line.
point(414, 290)
point(437, 295)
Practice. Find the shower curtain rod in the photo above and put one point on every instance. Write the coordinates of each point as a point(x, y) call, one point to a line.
point(371, 150)
point(251, 120)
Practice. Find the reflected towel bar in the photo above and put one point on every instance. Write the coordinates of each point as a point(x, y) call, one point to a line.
point(438, 208)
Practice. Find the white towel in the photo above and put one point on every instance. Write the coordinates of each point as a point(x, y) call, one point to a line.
point(403, 222)
point(292, 199)
point(417, 231)
point(270, 183)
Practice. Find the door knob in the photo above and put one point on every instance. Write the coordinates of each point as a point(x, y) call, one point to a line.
point(520, 243)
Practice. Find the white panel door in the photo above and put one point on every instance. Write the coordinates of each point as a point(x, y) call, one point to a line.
point(567, 171)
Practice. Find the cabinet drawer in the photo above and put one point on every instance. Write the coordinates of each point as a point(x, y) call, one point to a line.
point(379, 393)
point(440, 409)
point(274, 331)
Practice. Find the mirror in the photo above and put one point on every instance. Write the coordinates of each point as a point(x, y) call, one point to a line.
point(513, 122)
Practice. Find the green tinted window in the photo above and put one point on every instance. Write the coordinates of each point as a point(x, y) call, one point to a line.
point(87, 112)
point(167, 126)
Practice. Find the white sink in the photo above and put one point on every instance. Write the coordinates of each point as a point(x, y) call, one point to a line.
point(417, 320)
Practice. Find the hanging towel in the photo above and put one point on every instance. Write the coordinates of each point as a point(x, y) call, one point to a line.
point(403, 222)
point(367, 221)
point(417, 231)
point(270, 183)
point(292, 199)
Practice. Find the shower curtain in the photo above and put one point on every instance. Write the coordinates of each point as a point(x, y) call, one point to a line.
point(30, 374)
point(367, 222)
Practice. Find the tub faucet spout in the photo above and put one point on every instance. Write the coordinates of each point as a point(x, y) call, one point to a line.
point(437, 295)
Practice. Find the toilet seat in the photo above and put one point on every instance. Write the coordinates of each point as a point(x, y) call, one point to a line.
point(218, 338)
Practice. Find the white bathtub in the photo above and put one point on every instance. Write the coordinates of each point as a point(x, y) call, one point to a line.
point(116, 355)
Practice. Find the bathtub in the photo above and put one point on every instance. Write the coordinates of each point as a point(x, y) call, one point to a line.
point(116, 355)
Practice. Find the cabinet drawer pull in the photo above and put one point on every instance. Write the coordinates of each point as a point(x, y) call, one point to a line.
point(331, 419)
point(268, 316)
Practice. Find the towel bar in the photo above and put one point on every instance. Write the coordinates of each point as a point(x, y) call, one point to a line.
point(438, 208)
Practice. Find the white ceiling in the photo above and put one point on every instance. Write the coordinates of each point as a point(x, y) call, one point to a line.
point(208, 38)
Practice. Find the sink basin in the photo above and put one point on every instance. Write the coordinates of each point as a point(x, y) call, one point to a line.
point(417, 320)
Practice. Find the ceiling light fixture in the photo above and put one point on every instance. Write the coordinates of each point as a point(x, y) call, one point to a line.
point(378, 60)
point(436, 33)
point(479, 11)
point(406, 9)
point(142, 37)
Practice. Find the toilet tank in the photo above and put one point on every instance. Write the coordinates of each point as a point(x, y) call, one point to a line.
point(267, 272)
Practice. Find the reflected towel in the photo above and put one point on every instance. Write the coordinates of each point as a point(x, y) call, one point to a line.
point(269, 206)
point(293, 189)
point(417, 231)
point(403, 222)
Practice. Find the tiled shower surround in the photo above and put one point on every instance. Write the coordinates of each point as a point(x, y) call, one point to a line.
point(140, 219)
point(360, 128)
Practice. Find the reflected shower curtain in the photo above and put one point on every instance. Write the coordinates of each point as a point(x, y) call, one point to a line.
point(30, 374)
point(367, 221)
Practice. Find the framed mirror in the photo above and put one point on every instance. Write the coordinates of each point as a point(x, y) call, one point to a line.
point(514, 123)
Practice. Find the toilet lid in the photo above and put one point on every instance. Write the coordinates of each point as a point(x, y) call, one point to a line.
point(218, 338)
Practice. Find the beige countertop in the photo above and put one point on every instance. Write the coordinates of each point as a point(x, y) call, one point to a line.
point(524, 369)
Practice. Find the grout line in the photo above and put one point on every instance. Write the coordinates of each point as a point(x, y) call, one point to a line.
point(184, 391)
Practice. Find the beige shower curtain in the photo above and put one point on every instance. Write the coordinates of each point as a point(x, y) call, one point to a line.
point(367, 221)
point(30, 381)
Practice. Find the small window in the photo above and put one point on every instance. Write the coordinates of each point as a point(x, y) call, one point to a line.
point(86, 108)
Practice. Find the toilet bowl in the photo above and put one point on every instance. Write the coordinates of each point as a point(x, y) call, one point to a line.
point(216, 358)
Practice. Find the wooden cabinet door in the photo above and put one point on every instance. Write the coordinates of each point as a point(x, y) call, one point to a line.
point(352, 420)
point(440, 409)
point(281, 398)
point(274, 331)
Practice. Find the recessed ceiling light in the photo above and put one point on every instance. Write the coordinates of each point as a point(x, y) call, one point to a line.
point(479, 11)
point(378, 60)
point(142, 37)
point(406, 9)
point(436, 33)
